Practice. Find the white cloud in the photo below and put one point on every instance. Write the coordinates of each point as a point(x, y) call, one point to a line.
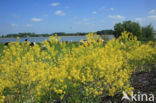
point(13, 25)
point(67, 7)
point(147, 20)
point(15, 16)
point(152, 17)
point(37, 19)
point(77, 23)
point(87, 23)
point(94, 12)
point(29, 25)
point(112, 9)
point(46, 15)
point(84, 19)
point(102, 8)
point(139, 19)
point(75, 18)
point(55, 4)
point(117, 17)
point(153, 11)
point(100, 25)
point(59, 13)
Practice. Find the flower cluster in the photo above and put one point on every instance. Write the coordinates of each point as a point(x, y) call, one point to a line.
point(59, 71)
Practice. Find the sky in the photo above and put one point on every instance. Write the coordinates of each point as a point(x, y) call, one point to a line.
point(70, 16)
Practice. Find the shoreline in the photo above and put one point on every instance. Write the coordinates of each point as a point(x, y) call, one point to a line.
point(57, 36)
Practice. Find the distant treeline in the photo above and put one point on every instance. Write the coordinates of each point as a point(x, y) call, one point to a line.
point(102, 32)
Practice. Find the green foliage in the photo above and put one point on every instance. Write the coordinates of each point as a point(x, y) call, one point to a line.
point(128, 26)
point(118, 29)
point(103, 32)
point(80, 73)
point(27, 34)
point(147, 32)
point(1, 47)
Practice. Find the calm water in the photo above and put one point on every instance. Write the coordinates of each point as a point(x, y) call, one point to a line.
point(63, 38)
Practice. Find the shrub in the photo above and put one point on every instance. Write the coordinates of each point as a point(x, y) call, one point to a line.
point(83, 73)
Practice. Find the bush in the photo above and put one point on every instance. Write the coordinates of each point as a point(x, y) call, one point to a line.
point(83, 73)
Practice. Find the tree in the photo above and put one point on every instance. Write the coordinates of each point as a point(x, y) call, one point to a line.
point(105, 32)
point(128, 26)
point(118, 29)
point(147, 32)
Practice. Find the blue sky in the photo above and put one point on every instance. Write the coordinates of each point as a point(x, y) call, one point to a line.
point(49, 16)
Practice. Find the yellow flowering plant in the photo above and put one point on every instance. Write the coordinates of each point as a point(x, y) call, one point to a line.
point(60, 71)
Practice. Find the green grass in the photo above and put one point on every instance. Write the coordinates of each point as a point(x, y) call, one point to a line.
point(57, 46)
point(68, 46)
point(1, 47)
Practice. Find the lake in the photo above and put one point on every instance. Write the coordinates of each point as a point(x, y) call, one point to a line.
point(63, 38)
